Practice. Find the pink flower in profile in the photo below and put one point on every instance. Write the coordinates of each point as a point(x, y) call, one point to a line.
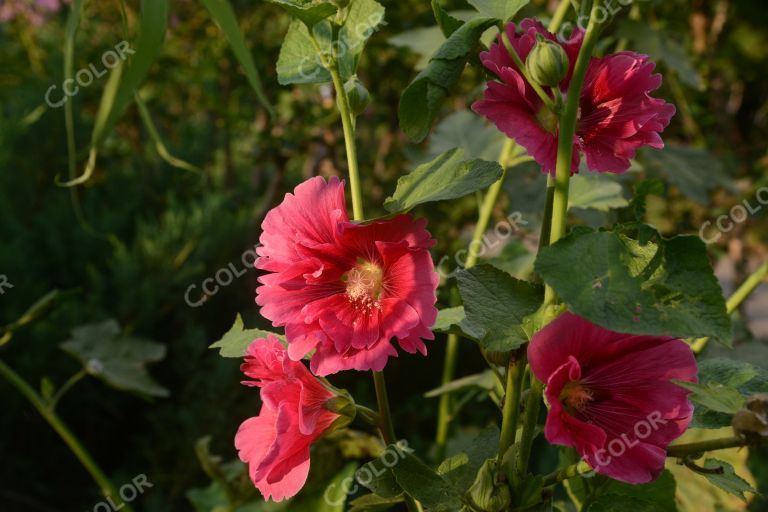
point(617, 115)
point(611, 395)
point(275, 444)
point(343, 289)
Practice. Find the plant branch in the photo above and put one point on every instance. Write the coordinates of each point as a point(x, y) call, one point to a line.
point(108, 490)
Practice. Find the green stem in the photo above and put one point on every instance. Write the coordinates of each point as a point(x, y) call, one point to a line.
point(446, 402)
point(559, 213)
point(567, 472)
point(369, 416)
point(107, 489)
point(348, 125)
point(559, 16)
point(66, 387)
point(385, 415)
point(683, 450)
point(738, 297)
point(511, 411)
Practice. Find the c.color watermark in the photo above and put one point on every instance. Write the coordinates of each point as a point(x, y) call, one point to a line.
point(127, 492)
point(502, 231)
point(222, 278)
point(85, 76)
point(366, 474)
point(738, 214)
point(604, 12)
point(4, 283)
point(309, 67)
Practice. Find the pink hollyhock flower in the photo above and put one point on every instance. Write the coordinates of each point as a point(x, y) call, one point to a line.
point(275, 444)
point(611, 396)
point(617, 115)
point(345, 289)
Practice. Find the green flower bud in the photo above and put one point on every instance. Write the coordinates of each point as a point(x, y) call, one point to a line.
point(344, 405)
point(547, 64)
point(485, 494)
point(357, 94)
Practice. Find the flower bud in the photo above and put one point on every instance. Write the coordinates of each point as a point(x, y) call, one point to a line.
point(358, 95)
point(485, 494)
point(547, 64)
point(343, 405)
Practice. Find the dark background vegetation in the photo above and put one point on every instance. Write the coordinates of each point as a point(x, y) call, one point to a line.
point(161, 229)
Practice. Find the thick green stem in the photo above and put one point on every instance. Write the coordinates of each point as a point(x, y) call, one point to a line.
point(348, 125)
point(738, 297)
point(444, 412)
point(683, 450)
point(107, 489)
point(385, 415)
point(511, 411)
point(566, 132)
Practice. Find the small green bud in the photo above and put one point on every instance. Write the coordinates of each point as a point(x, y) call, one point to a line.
point(547, 64)
point(485, 494)
point(343, 405)
point(357, 94)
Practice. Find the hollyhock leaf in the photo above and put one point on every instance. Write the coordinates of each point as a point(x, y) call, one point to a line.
point(334, 498)
point(715, 397)
point(692, 492)
point(424, 484)
point(299, 62)
point(236, 340)
point(446, 318)
point(447, 23)
point(362, 20)
point(374, 503)
point(485, 381)
point(660, 492)
point(661, 45)
point(422, 99)
point(465, 130)
point(695, 171)
point(118, 360)
point(449, 176)
point(423, 41)
point(309, 12)
point(379, 479)
point(503, 10)
point(728, 480)
point(596, 192)
point(664, 288)
point(461, 468)
point(744, 377)
point(497, 303)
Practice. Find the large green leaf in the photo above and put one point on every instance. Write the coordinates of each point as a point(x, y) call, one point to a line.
point(374, 503)
point(502, 10)
point(714, 396)
point(222, 12)
point(424, 96)
point(362, 20)
point(496, 304)
point(299, 61)
point(731, 375)
point(664, 288)
point(449, 176)
point(236, 340)
point(310, 12)
point(595, 192)
point(468, 131)
point(660, 494)
point(118, 360)
point(433, 490)
point(728, 480)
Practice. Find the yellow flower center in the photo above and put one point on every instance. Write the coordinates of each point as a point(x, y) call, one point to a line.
point(575, 396)
point(364, 284)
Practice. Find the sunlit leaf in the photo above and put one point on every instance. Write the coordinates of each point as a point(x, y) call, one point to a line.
point(236, 340)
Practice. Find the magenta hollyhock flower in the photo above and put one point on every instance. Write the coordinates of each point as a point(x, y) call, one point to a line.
point(617, 115)
point(343, 289)
point(275, 444)
point(611, 395)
